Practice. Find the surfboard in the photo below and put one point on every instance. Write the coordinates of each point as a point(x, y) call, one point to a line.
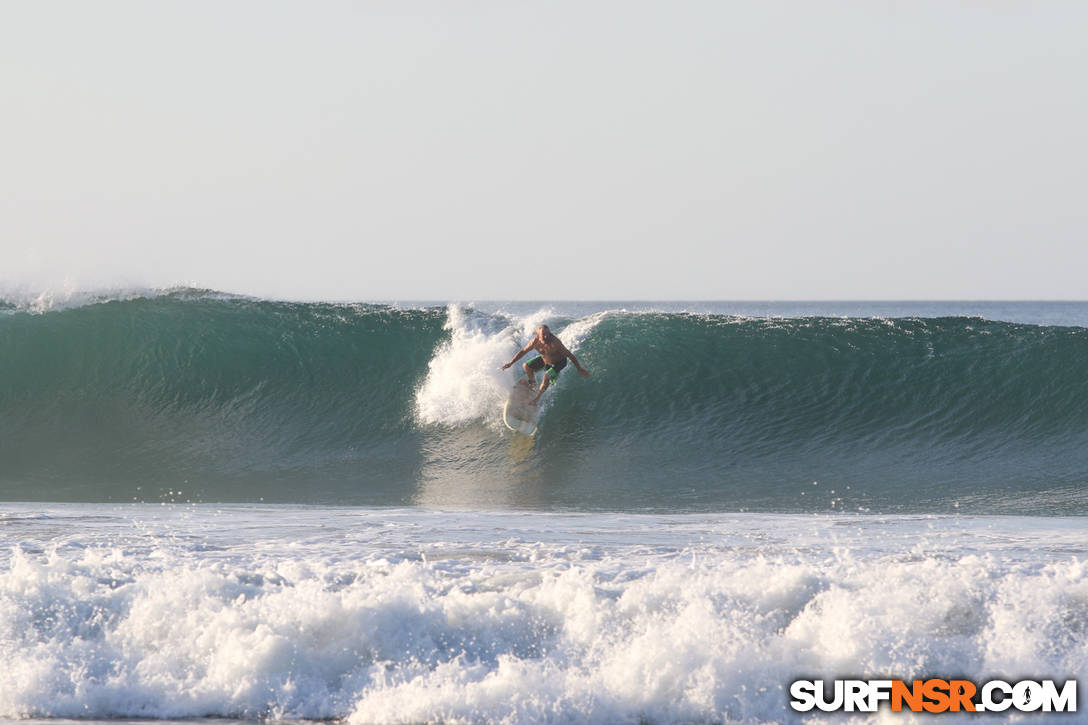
point(518, 414)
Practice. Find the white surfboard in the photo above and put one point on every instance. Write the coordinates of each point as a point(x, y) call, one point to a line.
point(518, 414)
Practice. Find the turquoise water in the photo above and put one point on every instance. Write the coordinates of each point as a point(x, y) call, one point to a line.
point(774, 407)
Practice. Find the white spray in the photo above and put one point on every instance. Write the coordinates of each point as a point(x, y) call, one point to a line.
point(464, 378)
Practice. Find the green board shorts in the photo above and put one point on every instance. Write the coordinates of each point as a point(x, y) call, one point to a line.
point(537, 364)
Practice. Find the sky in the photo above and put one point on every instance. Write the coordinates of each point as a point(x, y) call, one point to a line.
point(465, 150)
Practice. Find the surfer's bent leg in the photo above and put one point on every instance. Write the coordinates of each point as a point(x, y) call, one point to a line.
point(543, 386)
point(537, 363)
point(551, 375)
point(553, 370)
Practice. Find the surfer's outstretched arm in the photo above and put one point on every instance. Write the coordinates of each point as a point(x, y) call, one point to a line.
point(520, 354)
point(581, 370)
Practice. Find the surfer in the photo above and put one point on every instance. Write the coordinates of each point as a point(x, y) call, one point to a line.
point(552, 358)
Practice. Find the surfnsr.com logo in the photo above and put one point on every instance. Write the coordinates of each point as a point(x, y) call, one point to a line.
point(934, 696)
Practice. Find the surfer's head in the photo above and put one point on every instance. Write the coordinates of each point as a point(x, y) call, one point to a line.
point(543, 333)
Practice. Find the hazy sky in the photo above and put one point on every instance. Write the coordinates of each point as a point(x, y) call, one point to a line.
point(534, 150)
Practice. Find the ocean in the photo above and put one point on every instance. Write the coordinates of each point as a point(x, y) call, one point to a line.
point(221, 507)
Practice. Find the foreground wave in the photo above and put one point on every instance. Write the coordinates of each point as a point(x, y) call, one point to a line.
point(204, 397)
point(410, 616)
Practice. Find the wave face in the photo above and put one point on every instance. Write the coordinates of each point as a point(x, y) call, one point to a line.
point(201, 397)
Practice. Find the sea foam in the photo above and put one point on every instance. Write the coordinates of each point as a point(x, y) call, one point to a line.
point(411, 616)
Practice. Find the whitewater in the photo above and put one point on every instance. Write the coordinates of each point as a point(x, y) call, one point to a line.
point(401, 615)
point(223, 507)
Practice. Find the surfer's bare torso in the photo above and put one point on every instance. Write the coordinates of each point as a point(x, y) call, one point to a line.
point(551, 349)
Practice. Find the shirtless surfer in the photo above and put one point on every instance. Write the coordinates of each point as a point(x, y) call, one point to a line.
point(552, 358)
